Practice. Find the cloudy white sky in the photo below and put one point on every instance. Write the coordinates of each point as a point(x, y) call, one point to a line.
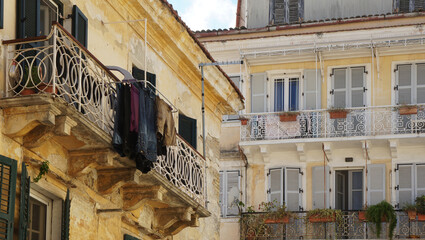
point(206, 14)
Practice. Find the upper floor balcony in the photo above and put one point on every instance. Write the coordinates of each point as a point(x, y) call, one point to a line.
point(56, 89)
point(320, 125)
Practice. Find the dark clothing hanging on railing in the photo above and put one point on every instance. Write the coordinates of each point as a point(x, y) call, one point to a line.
point(165, 123)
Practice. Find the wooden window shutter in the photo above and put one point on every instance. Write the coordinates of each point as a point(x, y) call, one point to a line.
point(66, 206)
point(375, 183)
point(293, 11)
point(79, 26)
point(258, 92)
point(318, 179)
point(24, 205)
point(276, 185)
point(1, 13)
point(7, 196)
point(28, 20)
point(128, 237)
point(292, 189)
point(232, 193)
point(312, 89)
point(187, 129)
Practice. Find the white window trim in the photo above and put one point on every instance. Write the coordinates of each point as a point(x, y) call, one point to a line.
point(302, 200)
point(224, 200)
point(394, 76)
point(367, 67)
point(332, 181)
point(413, 180)
point(49, 205)
point(284, 74)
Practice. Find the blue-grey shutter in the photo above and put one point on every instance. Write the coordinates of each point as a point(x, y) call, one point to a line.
point(79, 26)
point(1, 13)
point(221, 199)
point(420, 180)
point(66, 207)
point(28, 19)
point(187, 129)
point(7, 196)
point(292, 189)
point(258, 92)
point(312, 89)
point(375, 183)
point(276, 185)
point(319, 190)
point(24, 204)
point(128, 237)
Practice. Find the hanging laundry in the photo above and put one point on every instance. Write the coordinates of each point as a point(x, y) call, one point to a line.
point(166, 127)
point(134, 117)
point(146, 142)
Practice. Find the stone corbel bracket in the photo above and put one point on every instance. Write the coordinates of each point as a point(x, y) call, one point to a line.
point(170, 221)
point(301, 152)
point(134, 196)
point(327, 148)
point(265, 153)
point(110, 179)
point(393, 144)
point(80, 162)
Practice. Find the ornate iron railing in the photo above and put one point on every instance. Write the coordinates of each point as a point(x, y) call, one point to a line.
point(58, 64)
point(184, 167)
point(365, 121)
point(253, 228)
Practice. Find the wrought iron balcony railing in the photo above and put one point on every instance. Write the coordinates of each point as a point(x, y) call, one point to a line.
point(365, 121)
point(58, 64)
point(253, 228)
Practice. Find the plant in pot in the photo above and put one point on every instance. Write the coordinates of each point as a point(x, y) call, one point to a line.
point(324, 215)
point(382, 212)
point(407, 109)
point(274, 212)
point(244, 121)
point(32, 80)
point(362, 213)
point(410, 209)
point(420, 207)
point(337, 113)
point(288, 116)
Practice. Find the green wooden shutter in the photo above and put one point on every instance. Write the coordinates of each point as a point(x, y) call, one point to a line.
point(79, 26)
point(24, 204)
point(65, 217)
point(1, 13)
point(7, 196)
point(139, 74)
point(187, 129)
point(128, 237)
point(28, 20)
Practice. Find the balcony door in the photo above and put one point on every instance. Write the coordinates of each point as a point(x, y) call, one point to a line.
point(286, 94)
point(349, 189)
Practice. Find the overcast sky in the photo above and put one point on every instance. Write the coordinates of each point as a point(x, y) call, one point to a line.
point(206, 14)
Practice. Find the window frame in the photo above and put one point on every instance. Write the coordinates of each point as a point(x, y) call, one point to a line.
point(286, 76)
point(413, 78)
point(414, 182)
point(1, 14)
point(223, 201)
point(34, 194)
point(284, 188)
point(193, 130)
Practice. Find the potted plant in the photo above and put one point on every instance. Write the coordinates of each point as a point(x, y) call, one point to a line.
point(324, 215)
point(32, 82)
point(362, 213)
point(337, 113)
point(244, 121)
point(420, 207)
point(410, 209)
point(274, 212)
point(407, 109)
point(288, 116)
point(382, 212)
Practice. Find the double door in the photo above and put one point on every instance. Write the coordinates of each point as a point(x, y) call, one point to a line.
point(349, 189)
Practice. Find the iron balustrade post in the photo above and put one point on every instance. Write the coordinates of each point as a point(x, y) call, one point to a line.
point(80, 75)
point(55, 33)
point(7, 67)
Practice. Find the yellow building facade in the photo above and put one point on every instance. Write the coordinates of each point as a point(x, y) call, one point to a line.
point(290, 145)
point(61, 64)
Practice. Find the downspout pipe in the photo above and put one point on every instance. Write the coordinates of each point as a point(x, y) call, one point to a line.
point(203, 137)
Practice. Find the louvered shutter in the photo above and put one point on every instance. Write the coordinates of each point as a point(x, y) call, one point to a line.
point(404, 6)
point(276, 183)
point(319, 191)
point(419, 5)
point(375, 183)
point(292, 189)
point(221, 199)
point(1, 13)
point(404, 84)
point(7, 196)
point(79, 26)
point(258, 92)
point(187, 129)
point(404, 187)
point(128, 237)
point(28, 20)
point(66, 207)
point(339, 88)
point(24, 205)
point(312, 89)
point(420, 180)
point(232, 193)
point(358, 87)
point(420, 83)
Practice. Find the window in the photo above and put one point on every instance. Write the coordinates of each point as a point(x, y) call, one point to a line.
point(187, 129)
point(286, 94)
point(229, 193)
point(285, 187)
point(40, 211)
point(349, 189)
point(406, 6)
point(1, 13)
point(129, 237)
point(348, 87)
point(410, 83)
point(410, 180)
point(79, 26)
point(286, 11)
point(35, 16)
point(140, 75)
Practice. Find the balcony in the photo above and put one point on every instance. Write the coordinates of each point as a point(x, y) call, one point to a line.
point(350, 228)
point(317, 125)
point(56, 89)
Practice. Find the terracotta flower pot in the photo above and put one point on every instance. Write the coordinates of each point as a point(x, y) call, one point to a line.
point(284, 219)
point(338, 114)
point(320, 219)
point(411, 214)
point(409, 110)
point(421, 217)
point(414, 236)
point(47, 88)
point(244, 121)
point(362, 216)
point(27, 91)
point(288, 118)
